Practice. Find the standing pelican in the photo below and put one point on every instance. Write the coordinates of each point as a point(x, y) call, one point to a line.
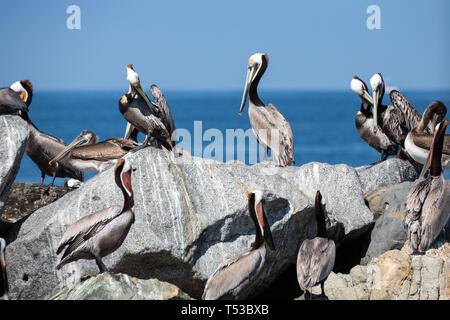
point(236, 273)
point(3, 280)
point(364, 122)
point(270, 128)
point(101, 233)
point(418, 141)
point(85, 154)
point(42, 147)
point(140, 116)
point(14, 100)
point(316, 257)
point(428, 203)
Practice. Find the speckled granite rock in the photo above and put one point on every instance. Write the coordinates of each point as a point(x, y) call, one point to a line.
point(191, 214)
point(13, 140)
point(120, 287)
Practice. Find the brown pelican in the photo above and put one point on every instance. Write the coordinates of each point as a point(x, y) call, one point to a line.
point(42, 147)
point(3, 280)
point(236, 273)
point(364, 122)
point(101, 233)
point(316, 257)
point(270, 128)
point(418, 141)
point(396, 120)
point(428, 203)
point(14, 98)
point(85, 154)
point(140, 116)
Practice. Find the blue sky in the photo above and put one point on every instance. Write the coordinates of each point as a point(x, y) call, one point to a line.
point(205, 44)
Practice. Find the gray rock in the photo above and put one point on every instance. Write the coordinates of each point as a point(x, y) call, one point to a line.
point(120, 287)
point(13, 139)
point(389, 206)
point(191, 214)
point(392, 171)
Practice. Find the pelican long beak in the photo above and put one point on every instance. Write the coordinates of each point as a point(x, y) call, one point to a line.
point(75, 143)
point(262, 219)
point(376, 96)
point(129, 130)
point(141, 93)
point(251, 72)
point(426, 165)
point(367, 97)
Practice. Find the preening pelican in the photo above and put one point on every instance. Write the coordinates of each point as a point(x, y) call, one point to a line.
point(316, 257)
point(418, 141)
point(3, 280)
point(141, 117)
point(270, 128)
point(16, 97)
point(428, 203)
point(364, 122)
point(236, 273)
point(85, 154)
point(396, 120)
point(101, 233)
point(43, 147)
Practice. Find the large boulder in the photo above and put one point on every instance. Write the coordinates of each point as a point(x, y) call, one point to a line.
point(14, 134)
point(191, 214)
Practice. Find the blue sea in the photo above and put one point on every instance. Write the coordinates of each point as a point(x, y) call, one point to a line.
point(322, 121)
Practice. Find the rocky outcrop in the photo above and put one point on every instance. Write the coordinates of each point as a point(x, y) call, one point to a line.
point(395, 275)
point(191, 214)
point(120, 287)
point(13, 140)
point(388, 205)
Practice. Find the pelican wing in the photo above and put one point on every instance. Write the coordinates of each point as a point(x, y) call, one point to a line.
point(315, 261)
point(10, 101)
point(409, 116)
point(394, 125)
point(163, 108)
point(83, 229)
point(435, 212)
point(267, 122)
point(110, 149)
point(233, 275)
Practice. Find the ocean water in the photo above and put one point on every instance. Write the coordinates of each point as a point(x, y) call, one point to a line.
point(322, 121)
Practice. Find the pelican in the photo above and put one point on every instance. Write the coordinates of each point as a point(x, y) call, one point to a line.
point(42, 147)
point(270, 128)
point(428, 203)
point(101, 233)
point(396, 120)
point(3, 280)
point(418, 141)
point(236, 273)
point(140, 116)
point(364, 122)
point(16, 97)
point(316, 257)
point(85, 154)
